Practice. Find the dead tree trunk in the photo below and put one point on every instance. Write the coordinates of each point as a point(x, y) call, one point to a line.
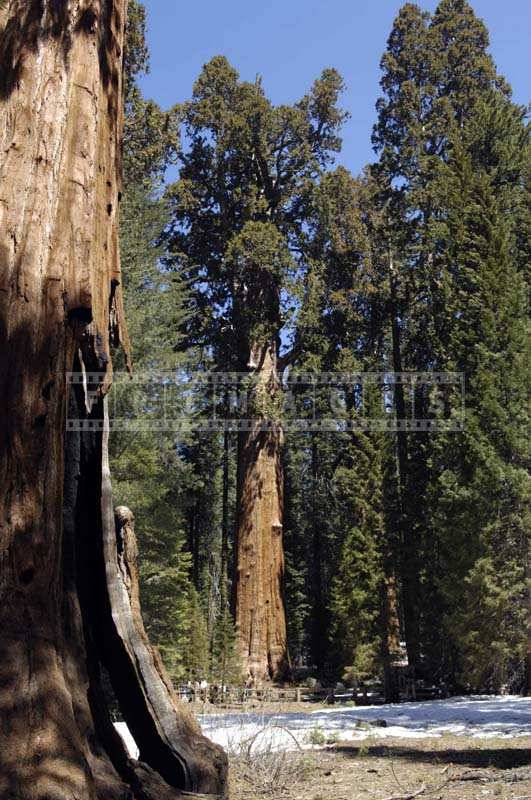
point(60, 310)
point(259, 601)
point(151, 708)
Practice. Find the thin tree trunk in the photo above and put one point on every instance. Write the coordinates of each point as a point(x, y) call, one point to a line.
point(390, 627)
point(318, 620)
point(60, 309)
point(224, 577)
point(193, 545)
point(409, 559)
point(259, 601)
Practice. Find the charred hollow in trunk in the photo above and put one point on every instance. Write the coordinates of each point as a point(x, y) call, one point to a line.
point(101, 554)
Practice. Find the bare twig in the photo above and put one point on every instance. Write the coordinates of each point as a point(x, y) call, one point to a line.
point(395, 777)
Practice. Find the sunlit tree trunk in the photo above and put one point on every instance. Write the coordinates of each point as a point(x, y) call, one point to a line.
point(259, 602)
point(62, 619)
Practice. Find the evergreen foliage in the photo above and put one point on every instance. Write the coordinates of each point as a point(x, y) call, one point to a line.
point(452, 151)
point(420, 264)
point(481, 484)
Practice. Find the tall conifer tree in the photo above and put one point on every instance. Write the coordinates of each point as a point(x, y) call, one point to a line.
point(238, 222)
point(436, 72)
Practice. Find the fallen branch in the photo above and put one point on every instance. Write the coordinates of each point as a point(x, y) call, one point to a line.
point(482, 776)
point(513, 776)
point(409, 795)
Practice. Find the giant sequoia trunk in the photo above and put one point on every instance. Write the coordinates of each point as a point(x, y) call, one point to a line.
point(259, 602)
point(65, 613)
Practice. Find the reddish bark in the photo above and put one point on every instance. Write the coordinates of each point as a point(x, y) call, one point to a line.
point(260, 615)
point(61, 309)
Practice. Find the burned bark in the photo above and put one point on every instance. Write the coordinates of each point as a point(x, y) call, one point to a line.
point(61, 310)
point(168, 735)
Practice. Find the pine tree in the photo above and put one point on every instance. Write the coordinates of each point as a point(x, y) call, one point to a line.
point(335, 506)
point(481, 478)
point(150, 475)
point(436, 73)
point(355, 593)
point(297, 468)
point(226, 661)
point(197, 657)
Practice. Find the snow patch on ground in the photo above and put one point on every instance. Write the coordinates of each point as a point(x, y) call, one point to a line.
point(476, 716)
point(125, 733)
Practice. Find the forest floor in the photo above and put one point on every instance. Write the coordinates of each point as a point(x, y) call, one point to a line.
point(461, 748)
point(448, 767)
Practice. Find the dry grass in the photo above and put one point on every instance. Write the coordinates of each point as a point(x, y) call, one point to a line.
point(264, 770)
point(446, 768)
point(268, 775)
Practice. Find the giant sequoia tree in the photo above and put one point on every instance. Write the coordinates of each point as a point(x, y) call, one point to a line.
point(240, 208)
point(68, 589)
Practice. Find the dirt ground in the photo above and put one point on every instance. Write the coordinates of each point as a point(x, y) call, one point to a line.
point(444, 768)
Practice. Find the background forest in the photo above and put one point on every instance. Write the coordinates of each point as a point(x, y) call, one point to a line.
point(395, 542)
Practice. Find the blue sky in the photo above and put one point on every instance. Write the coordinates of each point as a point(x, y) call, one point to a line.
point(289, 42)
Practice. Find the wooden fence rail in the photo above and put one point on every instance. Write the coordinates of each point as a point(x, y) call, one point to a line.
point(239, 696)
